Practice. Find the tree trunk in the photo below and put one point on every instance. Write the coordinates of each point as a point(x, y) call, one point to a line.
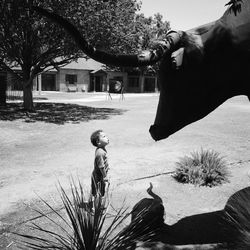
point(27, 96)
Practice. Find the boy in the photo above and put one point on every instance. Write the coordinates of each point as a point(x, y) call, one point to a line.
point(99, 175)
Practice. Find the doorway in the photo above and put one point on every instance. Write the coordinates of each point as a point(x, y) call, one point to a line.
point(149, 84)
point(98, 83)
point(48, 82)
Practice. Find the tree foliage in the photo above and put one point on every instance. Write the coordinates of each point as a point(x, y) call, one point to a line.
point(151, 28)
point(107, 25)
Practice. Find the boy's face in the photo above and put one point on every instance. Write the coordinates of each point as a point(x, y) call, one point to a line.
point(103, 140)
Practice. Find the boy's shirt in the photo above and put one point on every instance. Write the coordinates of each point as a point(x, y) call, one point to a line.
point(101, 162)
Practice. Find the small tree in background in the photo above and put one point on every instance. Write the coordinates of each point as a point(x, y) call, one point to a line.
point(204, 168)
point(151, 28)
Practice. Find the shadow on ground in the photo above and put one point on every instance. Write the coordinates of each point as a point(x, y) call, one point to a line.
point(58, 113)
point(229, 227)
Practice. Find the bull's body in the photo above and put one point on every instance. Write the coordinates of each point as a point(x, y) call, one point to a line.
point(215, 67)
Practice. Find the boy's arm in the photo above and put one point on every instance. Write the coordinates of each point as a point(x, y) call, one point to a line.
point(104, 174)
point(101, 166)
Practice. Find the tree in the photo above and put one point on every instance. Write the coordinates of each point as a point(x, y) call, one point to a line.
point(35, 44)
point(151, 28)
point(28, 42)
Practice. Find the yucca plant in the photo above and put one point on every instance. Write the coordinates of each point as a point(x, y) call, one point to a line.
point(204, 168)
point(85, 226)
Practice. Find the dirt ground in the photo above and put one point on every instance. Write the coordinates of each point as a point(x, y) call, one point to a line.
point(39, 151)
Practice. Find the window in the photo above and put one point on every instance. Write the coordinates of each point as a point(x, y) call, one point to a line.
point(71, 79)
point(133, 82)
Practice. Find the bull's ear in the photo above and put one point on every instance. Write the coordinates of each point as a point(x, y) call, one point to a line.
point(177, 58)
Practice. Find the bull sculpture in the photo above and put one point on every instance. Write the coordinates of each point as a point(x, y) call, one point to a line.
point(199, 69)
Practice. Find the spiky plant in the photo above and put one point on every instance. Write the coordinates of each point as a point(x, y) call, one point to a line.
point(86, 228)
point(204, 168)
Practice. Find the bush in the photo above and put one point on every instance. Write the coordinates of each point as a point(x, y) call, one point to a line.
point(204, 168)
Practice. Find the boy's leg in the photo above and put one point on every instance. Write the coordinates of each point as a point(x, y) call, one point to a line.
point(94, 190)
point(102, 188)
point(94, 186)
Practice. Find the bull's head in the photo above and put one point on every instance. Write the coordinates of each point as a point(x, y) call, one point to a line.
point(199, 69)
point(215, 63)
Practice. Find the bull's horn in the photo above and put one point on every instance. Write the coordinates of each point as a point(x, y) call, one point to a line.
point(142, 59)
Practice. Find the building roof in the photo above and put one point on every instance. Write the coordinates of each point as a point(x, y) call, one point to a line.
point(82, 63)
point(98, 71)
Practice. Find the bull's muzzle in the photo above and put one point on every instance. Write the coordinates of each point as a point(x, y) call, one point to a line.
point(158, 132)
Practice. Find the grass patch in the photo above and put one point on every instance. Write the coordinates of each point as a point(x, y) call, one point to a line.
point(202, 168)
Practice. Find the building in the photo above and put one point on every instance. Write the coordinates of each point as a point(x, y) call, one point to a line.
point(91, 76)
point(88, 76)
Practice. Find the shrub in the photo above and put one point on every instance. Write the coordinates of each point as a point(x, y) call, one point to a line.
point(79, 227)
point(204, 168)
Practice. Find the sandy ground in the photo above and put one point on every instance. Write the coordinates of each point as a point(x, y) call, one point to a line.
point(35, 156)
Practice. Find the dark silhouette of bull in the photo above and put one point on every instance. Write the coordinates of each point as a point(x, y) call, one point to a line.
point(230, 225)
point(199, 68)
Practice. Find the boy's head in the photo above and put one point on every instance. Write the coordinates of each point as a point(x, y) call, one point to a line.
point(99, 138)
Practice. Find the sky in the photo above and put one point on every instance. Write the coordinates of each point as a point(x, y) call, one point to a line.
point(185, 14)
